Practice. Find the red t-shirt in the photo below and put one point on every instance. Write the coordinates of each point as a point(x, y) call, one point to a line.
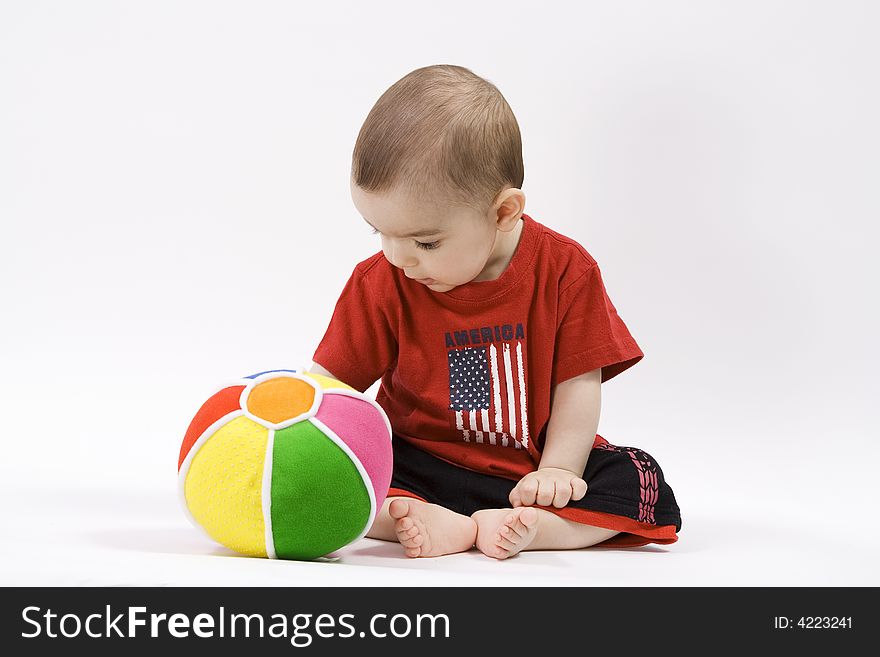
point(467, 374)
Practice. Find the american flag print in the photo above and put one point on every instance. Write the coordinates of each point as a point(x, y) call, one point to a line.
point(487, 394)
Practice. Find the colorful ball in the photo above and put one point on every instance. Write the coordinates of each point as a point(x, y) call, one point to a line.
point(286, 464)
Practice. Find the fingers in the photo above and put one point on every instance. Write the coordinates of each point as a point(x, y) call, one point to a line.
point(562, 497)
point(571, 492)
point(546, 492)
point(514, 497)
point(528, 490)
point(578, 488)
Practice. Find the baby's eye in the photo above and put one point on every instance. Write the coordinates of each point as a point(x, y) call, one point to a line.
point(427, 246)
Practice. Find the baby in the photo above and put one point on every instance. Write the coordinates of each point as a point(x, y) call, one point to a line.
point(492, 335)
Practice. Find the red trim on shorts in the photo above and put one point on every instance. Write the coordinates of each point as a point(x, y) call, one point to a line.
point(632, 532)
point(399, 492)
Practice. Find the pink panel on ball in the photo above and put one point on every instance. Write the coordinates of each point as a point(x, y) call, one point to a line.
point(363, 429)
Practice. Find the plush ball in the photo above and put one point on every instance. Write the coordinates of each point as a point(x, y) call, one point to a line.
point(286, 464)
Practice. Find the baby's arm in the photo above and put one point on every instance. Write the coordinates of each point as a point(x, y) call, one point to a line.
point(571, 431)
point(317, 369)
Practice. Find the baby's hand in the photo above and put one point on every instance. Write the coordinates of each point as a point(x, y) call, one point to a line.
point(548, 486)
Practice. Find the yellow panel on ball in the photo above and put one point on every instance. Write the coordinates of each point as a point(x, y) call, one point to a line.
point(280, 399)
point(327, 383)
point(224, 486)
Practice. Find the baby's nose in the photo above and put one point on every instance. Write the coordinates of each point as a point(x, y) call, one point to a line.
point(400, 259)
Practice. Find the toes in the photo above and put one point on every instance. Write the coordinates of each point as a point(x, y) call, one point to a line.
point(408, 533)
point(514, 529)
point(513, 533)
point(413, 552)
point(506, 543)
point(412, 537)
point(529, 517)
point(404, 524)
point(517, 527)
point(523, 522)
point(398, 508)
point(501, 553)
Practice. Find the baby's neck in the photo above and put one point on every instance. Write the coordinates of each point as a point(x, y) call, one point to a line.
point(505, 247)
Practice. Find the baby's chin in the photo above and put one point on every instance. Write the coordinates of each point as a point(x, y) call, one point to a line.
point(441, 287)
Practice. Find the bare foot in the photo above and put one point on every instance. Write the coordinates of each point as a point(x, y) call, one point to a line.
point(502, 533)
point(430, 530)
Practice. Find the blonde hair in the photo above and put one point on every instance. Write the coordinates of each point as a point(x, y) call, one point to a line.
point(440, 133)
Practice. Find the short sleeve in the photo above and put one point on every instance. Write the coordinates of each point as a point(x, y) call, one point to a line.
point(589, 332)
point(359, 344)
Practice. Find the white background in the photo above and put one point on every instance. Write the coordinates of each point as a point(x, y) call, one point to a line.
point(175, 213)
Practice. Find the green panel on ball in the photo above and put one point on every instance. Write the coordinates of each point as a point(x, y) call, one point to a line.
point(319, 500)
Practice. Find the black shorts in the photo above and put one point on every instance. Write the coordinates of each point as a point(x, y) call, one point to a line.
point(626, 491)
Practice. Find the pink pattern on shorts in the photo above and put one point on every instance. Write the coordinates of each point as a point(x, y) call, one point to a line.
point(649, 489)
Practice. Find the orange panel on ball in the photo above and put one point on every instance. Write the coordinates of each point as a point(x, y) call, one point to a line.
point(280, 399)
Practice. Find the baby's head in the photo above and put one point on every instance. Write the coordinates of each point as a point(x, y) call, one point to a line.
point(437, 170)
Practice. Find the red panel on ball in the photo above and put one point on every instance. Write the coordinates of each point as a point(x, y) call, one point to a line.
point(220, 404)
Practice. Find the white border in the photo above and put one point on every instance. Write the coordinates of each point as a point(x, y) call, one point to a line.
point(365, 478)
point(252, 383)
point(193, 450)
point(266, 483)
point(362, 397)
point(267, 495)
point(368, 482)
